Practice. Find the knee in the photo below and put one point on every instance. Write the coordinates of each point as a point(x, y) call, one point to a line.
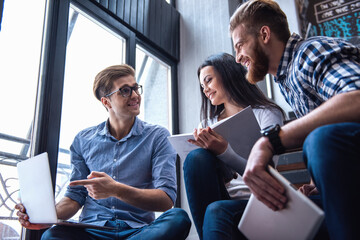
point(49, 234)
point(323, 149)
point(179, 221)
point(182, 218)
point(317, 139)
point(213, 210)
point(197, 158)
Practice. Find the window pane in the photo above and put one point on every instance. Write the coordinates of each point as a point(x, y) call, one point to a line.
point(20, 49)
point(155, 76)
point(91, 47)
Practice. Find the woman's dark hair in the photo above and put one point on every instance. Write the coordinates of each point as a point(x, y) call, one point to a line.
point(235, 84)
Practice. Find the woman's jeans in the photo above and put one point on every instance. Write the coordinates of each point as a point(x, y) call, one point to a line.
point(214, 214)
point(332, 154)
point(172, 224)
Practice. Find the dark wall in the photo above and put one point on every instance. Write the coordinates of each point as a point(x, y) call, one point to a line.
point(155, 20)
point(329, 18)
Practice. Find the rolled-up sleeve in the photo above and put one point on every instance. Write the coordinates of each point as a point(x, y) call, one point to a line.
point(79, 171)
point(164, 165)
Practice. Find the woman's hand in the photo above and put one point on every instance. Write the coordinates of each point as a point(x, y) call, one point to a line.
point(308, 189)
point(208, 139)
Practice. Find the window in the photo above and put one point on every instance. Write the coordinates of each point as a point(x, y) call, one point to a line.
point(91, 47)
point(155, 77)
point(20, 48)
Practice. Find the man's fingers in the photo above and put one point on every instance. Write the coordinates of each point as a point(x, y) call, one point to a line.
point(81, 182)
point(267, 190)
point(20, 207)
point(95, 174)
point(22, 215)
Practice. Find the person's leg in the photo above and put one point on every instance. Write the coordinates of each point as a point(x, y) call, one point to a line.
point(322, 233)
point(121, 231)
point(173, 224)
point(58, 232)
point(222, 218)
point(332, 153)
point(203, 184)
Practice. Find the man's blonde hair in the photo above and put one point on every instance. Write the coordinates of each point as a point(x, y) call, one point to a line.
point(103, 82)
point(257, 13)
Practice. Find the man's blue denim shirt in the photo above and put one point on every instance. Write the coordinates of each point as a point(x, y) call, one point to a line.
point(143, 159)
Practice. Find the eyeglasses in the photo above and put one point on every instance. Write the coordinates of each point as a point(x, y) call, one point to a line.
point(127, 91)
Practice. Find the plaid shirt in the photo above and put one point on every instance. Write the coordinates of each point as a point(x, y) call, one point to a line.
point(314, 70)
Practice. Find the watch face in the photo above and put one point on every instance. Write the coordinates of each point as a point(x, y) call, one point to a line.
point(272, 133)
point(268, 129)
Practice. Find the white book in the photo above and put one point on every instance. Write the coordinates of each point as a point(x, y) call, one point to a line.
point(241, 130)
point(300, 220)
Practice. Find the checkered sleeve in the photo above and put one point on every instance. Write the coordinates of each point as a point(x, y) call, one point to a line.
point(329, 67)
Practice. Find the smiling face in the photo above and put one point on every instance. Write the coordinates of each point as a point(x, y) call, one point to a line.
point(211, 83)
point(249, 54)
point(123, 107)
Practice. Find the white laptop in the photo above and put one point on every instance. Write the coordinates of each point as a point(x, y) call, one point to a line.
point(300, 219)
point(36, 192)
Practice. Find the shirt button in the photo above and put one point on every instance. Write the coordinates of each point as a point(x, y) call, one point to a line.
point(114, 159)
point(113, 207)
point(114, 177)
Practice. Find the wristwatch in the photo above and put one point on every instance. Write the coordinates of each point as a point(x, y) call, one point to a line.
point(272, 133)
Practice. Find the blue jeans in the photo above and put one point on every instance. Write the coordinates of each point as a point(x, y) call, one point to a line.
point(332, 153)
point(214, 214)
point(172, 224)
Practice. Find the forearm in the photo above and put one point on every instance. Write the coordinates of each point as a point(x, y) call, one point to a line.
point(146, 199)
point(340, 108)
point(67, 208)
point(232, 159)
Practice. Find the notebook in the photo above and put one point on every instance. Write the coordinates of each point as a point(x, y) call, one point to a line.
point(241, 138)
point(36, 192)
point(300, 219)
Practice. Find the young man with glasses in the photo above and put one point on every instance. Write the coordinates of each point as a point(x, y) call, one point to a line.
point(123, 171)
point(320, 79)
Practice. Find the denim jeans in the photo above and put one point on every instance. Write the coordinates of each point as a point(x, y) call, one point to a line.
point(172, 224)
point(214, 214)
point(332, 153)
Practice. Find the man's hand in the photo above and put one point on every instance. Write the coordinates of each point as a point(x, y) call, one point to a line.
point(24, 219)
point(208, 139)
point(99, 185)
point(260, 182)
point(308, 189)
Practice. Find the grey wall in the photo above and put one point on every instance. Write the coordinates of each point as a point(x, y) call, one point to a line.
point(288, 6)
point(203, 31)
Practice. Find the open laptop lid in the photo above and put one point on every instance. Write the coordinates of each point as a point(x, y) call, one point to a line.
point(36, 191)
point(301, 218)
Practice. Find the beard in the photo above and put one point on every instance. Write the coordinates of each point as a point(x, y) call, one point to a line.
point(259, 66)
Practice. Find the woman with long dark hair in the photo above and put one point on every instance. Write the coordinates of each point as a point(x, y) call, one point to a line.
point(216, 193)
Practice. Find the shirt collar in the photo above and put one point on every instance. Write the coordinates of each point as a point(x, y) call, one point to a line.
point(136, 129)
point(287, 56)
